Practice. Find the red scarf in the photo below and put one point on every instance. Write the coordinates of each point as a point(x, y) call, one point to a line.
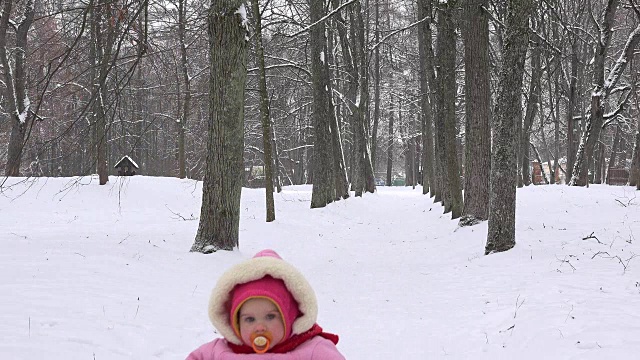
point(290, 344)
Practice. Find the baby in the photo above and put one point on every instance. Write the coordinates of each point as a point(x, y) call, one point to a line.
point(265, 306)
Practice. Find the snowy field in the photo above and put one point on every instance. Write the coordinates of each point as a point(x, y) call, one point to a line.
point(103, 272)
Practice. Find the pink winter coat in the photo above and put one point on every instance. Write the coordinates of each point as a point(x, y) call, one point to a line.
point(267, 275)
point(317, 348)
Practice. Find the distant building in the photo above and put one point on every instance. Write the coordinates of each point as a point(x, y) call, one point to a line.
point(126, 166)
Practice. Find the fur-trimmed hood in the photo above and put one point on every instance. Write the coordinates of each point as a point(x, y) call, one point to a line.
point(266, 262)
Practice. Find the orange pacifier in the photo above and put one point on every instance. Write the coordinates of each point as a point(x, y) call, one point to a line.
point(260, 342)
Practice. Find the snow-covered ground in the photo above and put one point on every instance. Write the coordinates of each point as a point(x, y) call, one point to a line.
point(104, 272)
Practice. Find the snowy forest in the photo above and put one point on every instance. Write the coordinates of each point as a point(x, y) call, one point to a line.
point(457, 179)
point(470, 95)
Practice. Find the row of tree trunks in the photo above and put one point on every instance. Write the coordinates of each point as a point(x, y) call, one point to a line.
point(445, 123)
point(363, 180)
point(424, 46)
point(435, 177)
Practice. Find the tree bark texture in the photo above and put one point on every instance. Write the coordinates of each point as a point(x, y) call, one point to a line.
point(323, 191)
point(571, 105)
point(634, 173)
point(376, 91)
point(614, 153)
point(186, 102)
point(17, 102)
point(390, 144)
point(339, 167)
point(598, 162)
point(104, 39)
point(446, 110)
point(264, 115)
point(436, 178)
point(475, 35)
point(424, 45)
point(221, 188)
point(351, 85)
point(364, 179)
point(502, 198)
point(524, 177)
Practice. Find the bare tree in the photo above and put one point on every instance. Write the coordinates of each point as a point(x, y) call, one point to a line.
point(14, 70)
point(425, 47)
point(324, 191)
point(220, 212)
point(363, 180)
point(264, 113)
point(502, 198)
point(186, 101)
point(634, 173)
point(602, 88)
point(530, 114)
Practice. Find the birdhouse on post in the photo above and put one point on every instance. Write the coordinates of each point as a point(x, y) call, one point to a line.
point(126, 166)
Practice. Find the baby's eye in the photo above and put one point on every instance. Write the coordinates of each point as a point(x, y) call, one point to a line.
point(271, 316)
point(249, 319)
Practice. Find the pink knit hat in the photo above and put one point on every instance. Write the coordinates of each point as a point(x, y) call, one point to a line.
point(272, 289)
point(266, 275)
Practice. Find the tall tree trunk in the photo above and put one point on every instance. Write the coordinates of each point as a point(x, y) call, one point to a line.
point(364, 180)
point(351, 65)
point(634, 172)
point(339, 167)
point(376, 86)
point(504, 171)
point(475, 35)
point(323, 191)
point(622, 153)
point(424, 46)
point(17, 102)
point(222, 185)
point(436, 179)
point(138, 144)
point(524, 177)
point(598, 162)
point(554, 110)
point(446, 120)
point(277, 180)
point(571, 105)
point(104, 39)
point(614, 152)
point(390, 144)
point(264, 114)
point(186, 103)
point(556, 135)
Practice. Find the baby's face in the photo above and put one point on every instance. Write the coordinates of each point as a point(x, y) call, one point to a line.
point(260, 316)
